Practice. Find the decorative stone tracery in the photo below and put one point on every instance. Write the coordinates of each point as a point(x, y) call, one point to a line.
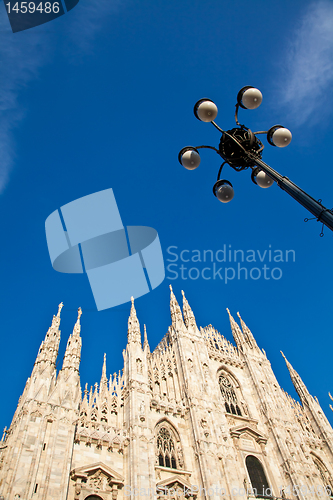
point(168, 448)
point(229, 395)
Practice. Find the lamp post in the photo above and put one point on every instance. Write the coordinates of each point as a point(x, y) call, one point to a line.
point(241, 149)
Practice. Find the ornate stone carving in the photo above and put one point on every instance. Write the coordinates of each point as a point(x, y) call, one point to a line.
point(97, 481)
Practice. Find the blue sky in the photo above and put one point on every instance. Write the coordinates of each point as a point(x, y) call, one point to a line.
point(103, 98)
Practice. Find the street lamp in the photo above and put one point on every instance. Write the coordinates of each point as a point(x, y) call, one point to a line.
point(240, 148)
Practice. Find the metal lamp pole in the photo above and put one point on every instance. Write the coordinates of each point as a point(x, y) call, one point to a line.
point(241, 149)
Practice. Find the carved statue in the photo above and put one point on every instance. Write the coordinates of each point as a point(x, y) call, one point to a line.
point(96, 481)
point(180, 456)
point(139, 365)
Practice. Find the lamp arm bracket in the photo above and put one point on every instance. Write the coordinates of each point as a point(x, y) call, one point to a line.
point(219, 174)
point(207, 147)
point(216, 126)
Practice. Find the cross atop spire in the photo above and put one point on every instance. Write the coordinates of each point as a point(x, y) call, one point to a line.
point(134, 332)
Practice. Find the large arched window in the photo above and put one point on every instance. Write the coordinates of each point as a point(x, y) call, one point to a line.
point(259, 483)
point(229, 395)
point(166, 451)
point(93, 497)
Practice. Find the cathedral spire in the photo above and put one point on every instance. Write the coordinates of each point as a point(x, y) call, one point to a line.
point(104, 381)
point(236, 331)
point(189, 318)
point(145, 342)
point(48, 350)
point(73, 350)
point(249, 338)
point(297, 381)
point(176, 314)
point(331, 399)
point(84, 404)
point(134, 333)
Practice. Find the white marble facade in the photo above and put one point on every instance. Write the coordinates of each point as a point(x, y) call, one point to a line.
point(197, 418)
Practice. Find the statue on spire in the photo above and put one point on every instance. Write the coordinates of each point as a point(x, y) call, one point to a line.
point(104, 381)
point(77, 326)
point(297, 381)
point(134, 332)
point(189, 317)
point(73, 350)
point(104, 365)
point(145, 342)
point(176, 314)
point(248, 334)
point(60, 306)
point(48, 351)
point(236, 331)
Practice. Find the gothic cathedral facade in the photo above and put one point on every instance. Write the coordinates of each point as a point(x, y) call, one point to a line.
point(198, 418)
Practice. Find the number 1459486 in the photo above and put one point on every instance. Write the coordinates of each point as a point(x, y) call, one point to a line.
point(31, 7)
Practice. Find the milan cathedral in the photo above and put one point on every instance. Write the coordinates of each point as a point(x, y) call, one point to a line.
point(197, 418)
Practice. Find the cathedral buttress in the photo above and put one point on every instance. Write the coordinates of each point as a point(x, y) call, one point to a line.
point(136, 405)
point(42, 432)
point(195, 379)
point(43, 376)
point(311, 407)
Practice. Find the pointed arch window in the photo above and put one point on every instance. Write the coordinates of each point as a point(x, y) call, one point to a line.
point(259, 483)
point(166, 450)
point(229, 395)
point(324, 476)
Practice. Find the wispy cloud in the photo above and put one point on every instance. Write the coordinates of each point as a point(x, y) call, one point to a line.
point(90, 16)
point(22, 56)
point(307, 63)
